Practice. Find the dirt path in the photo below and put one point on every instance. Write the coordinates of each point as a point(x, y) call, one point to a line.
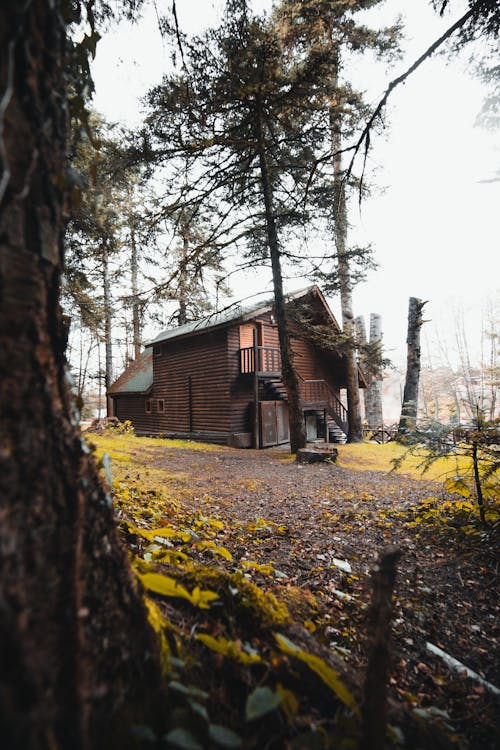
point(321, 528)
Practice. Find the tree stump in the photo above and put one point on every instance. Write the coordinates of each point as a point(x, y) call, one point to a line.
point(313, 456)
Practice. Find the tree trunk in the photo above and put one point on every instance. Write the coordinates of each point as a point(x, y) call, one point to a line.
point(373, 394)
point(374, 726)
point(134, 273)
point(72, 676)
point(182, 317)
point(408, 419)
point(359, 325)
point(289, 375)
point(355, 432)
point(108, 319)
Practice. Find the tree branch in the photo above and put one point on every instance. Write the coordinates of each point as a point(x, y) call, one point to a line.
point(365, 135)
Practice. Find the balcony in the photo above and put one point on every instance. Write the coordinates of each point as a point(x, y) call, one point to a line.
point(268, 360)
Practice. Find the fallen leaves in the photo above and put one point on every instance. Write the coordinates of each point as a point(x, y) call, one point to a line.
point(307, 540)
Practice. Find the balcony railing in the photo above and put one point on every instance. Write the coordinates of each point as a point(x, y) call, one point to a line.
point(268, 360)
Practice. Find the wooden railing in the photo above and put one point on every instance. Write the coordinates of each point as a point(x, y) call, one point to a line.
point(312, 391)
point(268, 360)
point(319, 392)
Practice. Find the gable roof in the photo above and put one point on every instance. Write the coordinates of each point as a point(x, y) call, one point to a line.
point(234, 314)
point(138, 377)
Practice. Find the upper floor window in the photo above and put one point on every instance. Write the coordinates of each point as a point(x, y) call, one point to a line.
point(160, 405)
point(148, 407)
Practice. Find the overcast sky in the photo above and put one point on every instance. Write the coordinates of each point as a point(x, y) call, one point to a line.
point(433, 220)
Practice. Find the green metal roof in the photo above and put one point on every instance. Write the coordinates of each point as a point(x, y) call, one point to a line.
point(138, 377)
point(232, 314)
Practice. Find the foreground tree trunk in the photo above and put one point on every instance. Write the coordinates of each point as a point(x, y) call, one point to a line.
point(78, 658)
point(408, 419)
point(289, 375)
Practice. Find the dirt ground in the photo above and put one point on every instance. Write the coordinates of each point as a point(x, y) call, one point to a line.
point(322, 528)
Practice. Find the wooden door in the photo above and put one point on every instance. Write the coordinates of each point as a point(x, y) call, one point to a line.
point(274, 423)
point(268, 426)
point(283, 428)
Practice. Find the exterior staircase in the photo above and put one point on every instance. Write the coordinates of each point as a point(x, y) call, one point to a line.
point(335, 432)
point(275, 388)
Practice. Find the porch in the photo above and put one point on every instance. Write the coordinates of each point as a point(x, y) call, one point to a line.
point(325, 415)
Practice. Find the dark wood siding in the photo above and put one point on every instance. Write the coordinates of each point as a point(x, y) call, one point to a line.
point(191, 375)
point(134, 409)
point(270, 334)
point(198, 383)
point(312, 364)
point(241, 386)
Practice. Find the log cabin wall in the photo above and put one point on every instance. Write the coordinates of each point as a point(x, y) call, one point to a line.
point(134, 409)
point(312, 364)
point(241, 386)
point(269, 332)
point(191, 375)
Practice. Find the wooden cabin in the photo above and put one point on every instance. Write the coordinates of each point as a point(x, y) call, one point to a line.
point(219, 379)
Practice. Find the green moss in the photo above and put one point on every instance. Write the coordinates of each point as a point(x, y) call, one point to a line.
point(301, 603)
point(265, 608)
point(259, 608)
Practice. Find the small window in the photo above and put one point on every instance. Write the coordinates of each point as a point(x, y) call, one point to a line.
point(149, 405)
point(160, 405)
point(157, 350)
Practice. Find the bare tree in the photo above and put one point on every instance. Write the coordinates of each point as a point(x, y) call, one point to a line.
point(408, 419)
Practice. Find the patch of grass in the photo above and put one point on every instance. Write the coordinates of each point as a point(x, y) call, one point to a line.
point(137, 460)
point(373, 457)
point(127, 442)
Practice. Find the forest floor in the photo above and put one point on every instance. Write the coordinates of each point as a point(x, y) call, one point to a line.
point(310, 536)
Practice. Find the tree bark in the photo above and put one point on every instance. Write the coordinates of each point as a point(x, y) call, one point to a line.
point(108, 319)
point(355, 432)
point(289, 375)
point(359, 325)
point(374, 725)
point(134, 273)
point(72, 676)
point(182, 317)
point(373, 394)
point(408, 419)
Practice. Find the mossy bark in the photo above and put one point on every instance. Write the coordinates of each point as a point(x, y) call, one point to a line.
point(75, 676)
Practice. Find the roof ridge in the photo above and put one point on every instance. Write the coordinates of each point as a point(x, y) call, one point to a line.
point(224, 316)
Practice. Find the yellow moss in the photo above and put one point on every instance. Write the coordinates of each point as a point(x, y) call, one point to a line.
point(262, 607)
point(133, 443)
point(301, 603)
point(159, 625)
point(373, 457)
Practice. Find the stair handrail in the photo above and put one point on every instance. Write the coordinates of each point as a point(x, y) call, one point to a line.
point(335, 407)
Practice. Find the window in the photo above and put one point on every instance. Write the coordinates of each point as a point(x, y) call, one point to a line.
point(148, 406)
point(160, 405)
point(157, 350)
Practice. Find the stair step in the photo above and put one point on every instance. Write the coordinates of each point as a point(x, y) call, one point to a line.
point(276, 387)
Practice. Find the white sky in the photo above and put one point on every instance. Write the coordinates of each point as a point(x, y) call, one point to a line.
point(434, 226)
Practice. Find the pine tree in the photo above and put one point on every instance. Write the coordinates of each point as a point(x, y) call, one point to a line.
point(245, 113)
point(329, 30)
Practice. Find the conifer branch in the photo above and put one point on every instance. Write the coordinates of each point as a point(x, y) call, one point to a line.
point(364, 138)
